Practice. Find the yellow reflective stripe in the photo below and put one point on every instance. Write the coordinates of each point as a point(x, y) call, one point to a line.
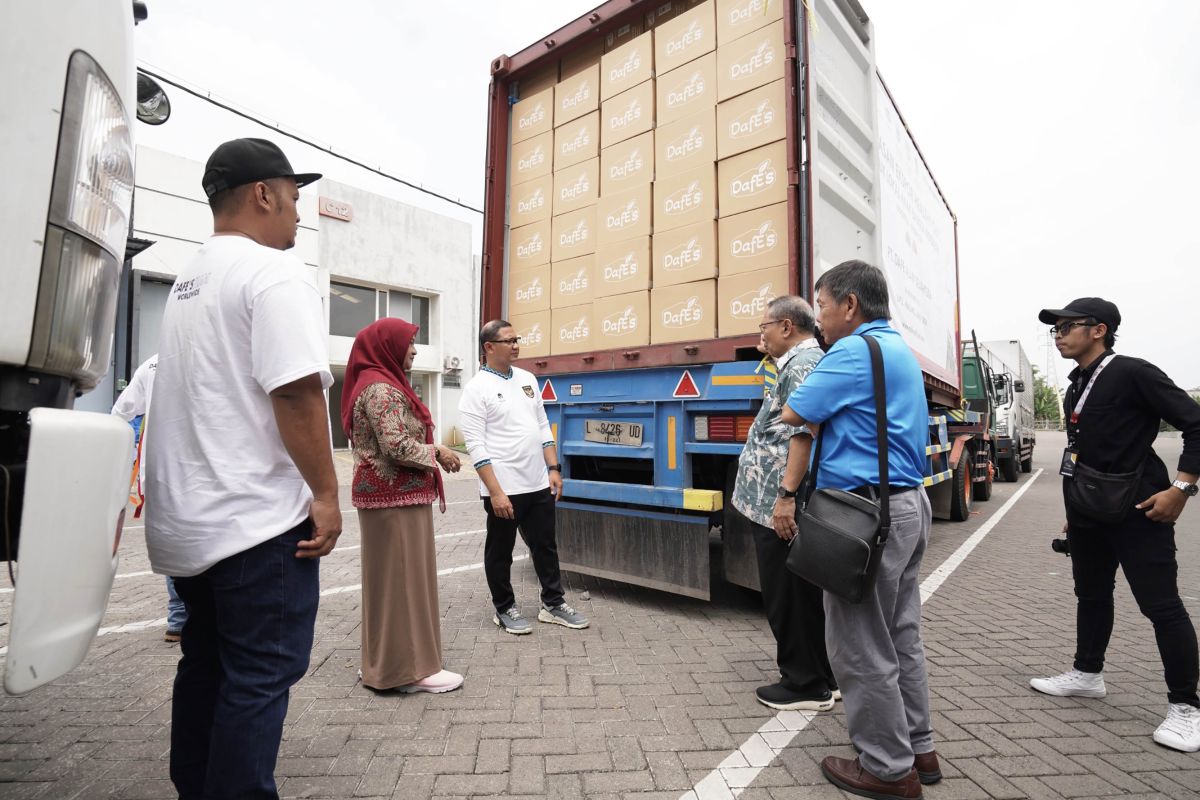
point(702, 500)
point(671, 449)
point(737, 380)
point(554, 432)
point(939, 477)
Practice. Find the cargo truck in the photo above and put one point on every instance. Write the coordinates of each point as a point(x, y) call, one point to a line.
point(1015, 432)
point(66, 153)
point(656, 172)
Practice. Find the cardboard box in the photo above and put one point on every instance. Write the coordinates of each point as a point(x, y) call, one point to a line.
point(533, 115)
point(614, 40)
point(571, 330)
point(624, 215)
point(534, 330)
point(530, 202)
point(685, 199)
point(577, 95)
point(529, 246)
point(686, 144)
point(686, 91)
point(664, 12)
point(752, 119)
point(622, 267)
point(737, 18)
point(626, 66)
point(622, 320)
point(627, 165)
point(627, 115)
point(585, 57)
point(538, 81)
point(685, 38)
point(742, 299)
point(576, 186)
point(683, 313)
point(753, 180)
point(684, 255)
point(751, 61)
point(529, 290)
point(532, 158)
point(571, 282)
point(573, 234)
point(577, 141)
point(754, 240)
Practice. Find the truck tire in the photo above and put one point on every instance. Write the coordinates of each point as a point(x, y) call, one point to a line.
point(1027, 463)
point(960, 491)
point(983, 490)
point(1008, 468)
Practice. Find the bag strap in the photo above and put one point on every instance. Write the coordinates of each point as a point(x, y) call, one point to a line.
point(885, 511)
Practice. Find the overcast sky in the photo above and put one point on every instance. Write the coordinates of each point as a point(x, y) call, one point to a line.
point(1062, 133)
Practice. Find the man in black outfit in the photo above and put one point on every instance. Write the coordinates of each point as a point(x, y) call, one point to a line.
point(1115, 405)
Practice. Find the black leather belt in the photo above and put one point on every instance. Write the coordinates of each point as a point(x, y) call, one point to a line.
point(871, 492)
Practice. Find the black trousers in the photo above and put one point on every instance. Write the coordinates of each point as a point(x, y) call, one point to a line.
point(1145, 551)
point(796, 613)
point(534, 517)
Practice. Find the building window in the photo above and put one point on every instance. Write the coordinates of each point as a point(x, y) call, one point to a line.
point(410, 308)
point(351, 308)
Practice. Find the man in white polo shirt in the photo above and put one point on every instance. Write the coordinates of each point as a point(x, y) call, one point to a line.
point(241, 491)
point(509, 439)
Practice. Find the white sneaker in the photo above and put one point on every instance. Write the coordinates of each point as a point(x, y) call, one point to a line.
point(1181, 729)
point(1072, 684)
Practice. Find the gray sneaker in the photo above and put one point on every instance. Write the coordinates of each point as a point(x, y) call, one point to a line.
point(511, 621)
point(562, 614)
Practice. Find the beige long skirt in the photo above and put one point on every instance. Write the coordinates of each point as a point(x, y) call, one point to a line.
point(401, 627)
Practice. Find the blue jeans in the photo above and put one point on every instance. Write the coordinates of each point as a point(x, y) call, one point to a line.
point(176, 609)
point(248, 639)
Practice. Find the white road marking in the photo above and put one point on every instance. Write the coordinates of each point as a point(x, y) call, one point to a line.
point(736, 772)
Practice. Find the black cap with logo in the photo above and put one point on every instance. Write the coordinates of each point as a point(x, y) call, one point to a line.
point(243, 161)
point(1095, 307)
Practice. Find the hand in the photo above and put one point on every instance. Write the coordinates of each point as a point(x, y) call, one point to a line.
point(502, 506)
point(447, 459)
point(326, 517)
point(783, 518)
point(1166, 506)
point(556, 484)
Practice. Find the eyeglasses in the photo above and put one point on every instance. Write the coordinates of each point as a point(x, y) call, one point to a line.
point(512, 341)
point(1063, 328)
point(763, 327)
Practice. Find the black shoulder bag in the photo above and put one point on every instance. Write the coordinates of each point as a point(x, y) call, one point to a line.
point(842, 535)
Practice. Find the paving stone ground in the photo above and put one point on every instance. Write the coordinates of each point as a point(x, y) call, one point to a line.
point(645, 703)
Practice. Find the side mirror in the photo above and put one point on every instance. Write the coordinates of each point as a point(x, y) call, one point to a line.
point(1018, 386)
point(153, 107)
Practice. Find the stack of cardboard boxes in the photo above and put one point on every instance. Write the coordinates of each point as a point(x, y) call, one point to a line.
point(648, 183)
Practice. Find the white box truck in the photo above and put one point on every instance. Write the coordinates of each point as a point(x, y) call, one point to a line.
point(1015, 434)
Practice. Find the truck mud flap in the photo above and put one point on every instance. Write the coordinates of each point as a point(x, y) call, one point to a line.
point(659, 551)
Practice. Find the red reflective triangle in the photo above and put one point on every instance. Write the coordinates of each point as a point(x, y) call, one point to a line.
point(686, 386)
point(548, 392)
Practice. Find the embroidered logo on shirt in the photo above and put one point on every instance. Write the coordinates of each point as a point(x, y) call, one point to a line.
point(528, 391)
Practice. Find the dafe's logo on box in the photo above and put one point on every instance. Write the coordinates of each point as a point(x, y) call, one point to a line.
point(627, 67)
point(534, 159)
point(744, 12)
point(683, 314)
point(632, 114)
point(755, 241)
point(688, 90)
point(531, 203)
point(576, 236)
point(685, 145)
point(581, 96)
point(754, 180)
point(535, 115)
point(620, 323)
point(580, 141)
point(530, 291)
point(689, 37)
point(751, 304)
point(684, 256)
point(623, 217)
point(753, 121)
point(574, 332)
point(686, 199)
point(630, 166)
point(577, 189)
point(757, 61)
point(531, 337)
point(575, 284)
point(530, 247)
point(621, 269)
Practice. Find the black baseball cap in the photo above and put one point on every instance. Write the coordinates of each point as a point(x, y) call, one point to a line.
point(243, 161)
point(1096, 307)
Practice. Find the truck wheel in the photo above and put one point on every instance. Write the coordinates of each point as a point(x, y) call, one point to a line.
point(1008, 468)
point(960, 493)
point(983, 490)
point(1027, 464)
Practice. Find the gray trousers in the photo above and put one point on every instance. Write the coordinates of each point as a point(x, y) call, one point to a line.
point(876, 652)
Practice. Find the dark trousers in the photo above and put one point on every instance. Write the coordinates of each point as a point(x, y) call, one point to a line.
point(796, 613)
point(247, 640)
point(1145, 551)
point(534, 516)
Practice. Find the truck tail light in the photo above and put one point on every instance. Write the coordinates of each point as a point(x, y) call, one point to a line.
point(723, 427)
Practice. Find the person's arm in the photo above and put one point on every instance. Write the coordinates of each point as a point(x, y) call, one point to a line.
point(387, 412)
point(1176, 407)
point(303, 421)
point(831, 386)
point(783, 517)
point(549, 450)
point(472, 419)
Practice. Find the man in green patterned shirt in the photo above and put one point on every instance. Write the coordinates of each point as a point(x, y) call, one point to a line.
point(794, 606)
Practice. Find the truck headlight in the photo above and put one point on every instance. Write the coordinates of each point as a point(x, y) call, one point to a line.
point(88, 223)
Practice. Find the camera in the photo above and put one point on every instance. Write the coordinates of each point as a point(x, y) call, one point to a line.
point(1061, 546)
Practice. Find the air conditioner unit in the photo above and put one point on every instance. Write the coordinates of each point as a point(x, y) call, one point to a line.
point(452, 363)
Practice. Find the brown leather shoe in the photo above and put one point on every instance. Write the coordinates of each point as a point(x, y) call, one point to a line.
point(848, 774)
point(927, 767)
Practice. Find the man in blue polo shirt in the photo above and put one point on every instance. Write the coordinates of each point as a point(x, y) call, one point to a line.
point(874, 646)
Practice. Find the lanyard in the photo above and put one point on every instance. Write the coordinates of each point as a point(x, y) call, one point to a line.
point(1087, 391)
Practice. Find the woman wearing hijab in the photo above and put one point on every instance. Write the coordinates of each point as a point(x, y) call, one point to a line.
point(396, 480)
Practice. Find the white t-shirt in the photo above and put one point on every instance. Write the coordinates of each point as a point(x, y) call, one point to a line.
point(505, 425)
point(134, 402)
point(241, 321)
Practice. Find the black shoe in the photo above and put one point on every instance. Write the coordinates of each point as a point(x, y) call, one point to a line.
point(780, 697)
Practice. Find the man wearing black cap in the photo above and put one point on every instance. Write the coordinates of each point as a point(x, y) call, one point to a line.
point(240, 479)
point(1121, 508)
